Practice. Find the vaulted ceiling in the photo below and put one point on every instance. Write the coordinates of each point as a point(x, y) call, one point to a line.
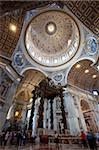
point(8, 38)
point(31, 78)
point(87, 12)
point(13, 13)
point(84, 76)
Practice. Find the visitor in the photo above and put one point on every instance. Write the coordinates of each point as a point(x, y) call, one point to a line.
point(83, 139)
point(19, 138)
point(2, 138)
point(57, 140)
point(97, 137)
point(24, 138)
point(11, 137)
point(6, 138)
point(91, 140)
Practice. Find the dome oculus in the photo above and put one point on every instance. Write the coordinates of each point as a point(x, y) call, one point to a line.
point(52, 35)
point(50, 28)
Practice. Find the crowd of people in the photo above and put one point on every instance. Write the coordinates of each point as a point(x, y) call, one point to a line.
point(90, 139)
point(13, 138)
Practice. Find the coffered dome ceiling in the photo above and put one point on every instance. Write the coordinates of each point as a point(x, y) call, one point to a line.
point(52, 38)
point(12, 12)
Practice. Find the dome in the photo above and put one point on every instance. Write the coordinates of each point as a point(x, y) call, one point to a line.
point(52, 38)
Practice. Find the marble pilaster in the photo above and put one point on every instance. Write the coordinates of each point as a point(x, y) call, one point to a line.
point(72, 115)
point(81, 116)
point(8, 102)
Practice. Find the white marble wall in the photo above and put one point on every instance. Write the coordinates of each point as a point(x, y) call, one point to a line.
point(72, 114)
point(81, 116)
point(8, 102)
point(79, 94)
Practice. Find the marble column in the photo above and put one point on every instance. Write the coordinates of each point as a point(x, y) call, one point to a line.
point(45, 114)
point(49, 119)
point(51, 112)
point(40, 113)
point(23, 113)
point(8, 102)
point(72, 115)
point(54, 115)
point(35, 117)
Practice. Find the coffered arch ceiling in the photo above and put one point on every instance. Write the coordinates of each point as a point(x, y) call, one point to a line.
point(87, 12)
point(10, 6)
point(13, 12)
point(84, 76)
point(9, 38)
point(31, 78)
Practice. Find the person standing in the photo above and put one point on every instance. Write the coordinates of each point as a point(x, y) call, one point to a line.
point(91, 140)
point(57, 137)
point(2, 138)
point(6, 138)
point(11, 137)
point(19, 138)
point(97, 137)
point(83, 139)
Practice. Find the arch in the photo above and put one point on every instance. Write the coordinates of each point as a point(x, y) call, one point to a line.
point(84, 58)
point(31, 78)
point(33, 68)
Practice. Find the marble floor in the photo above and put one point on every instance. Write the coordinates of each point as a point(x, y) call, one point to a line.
point(43, 147)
